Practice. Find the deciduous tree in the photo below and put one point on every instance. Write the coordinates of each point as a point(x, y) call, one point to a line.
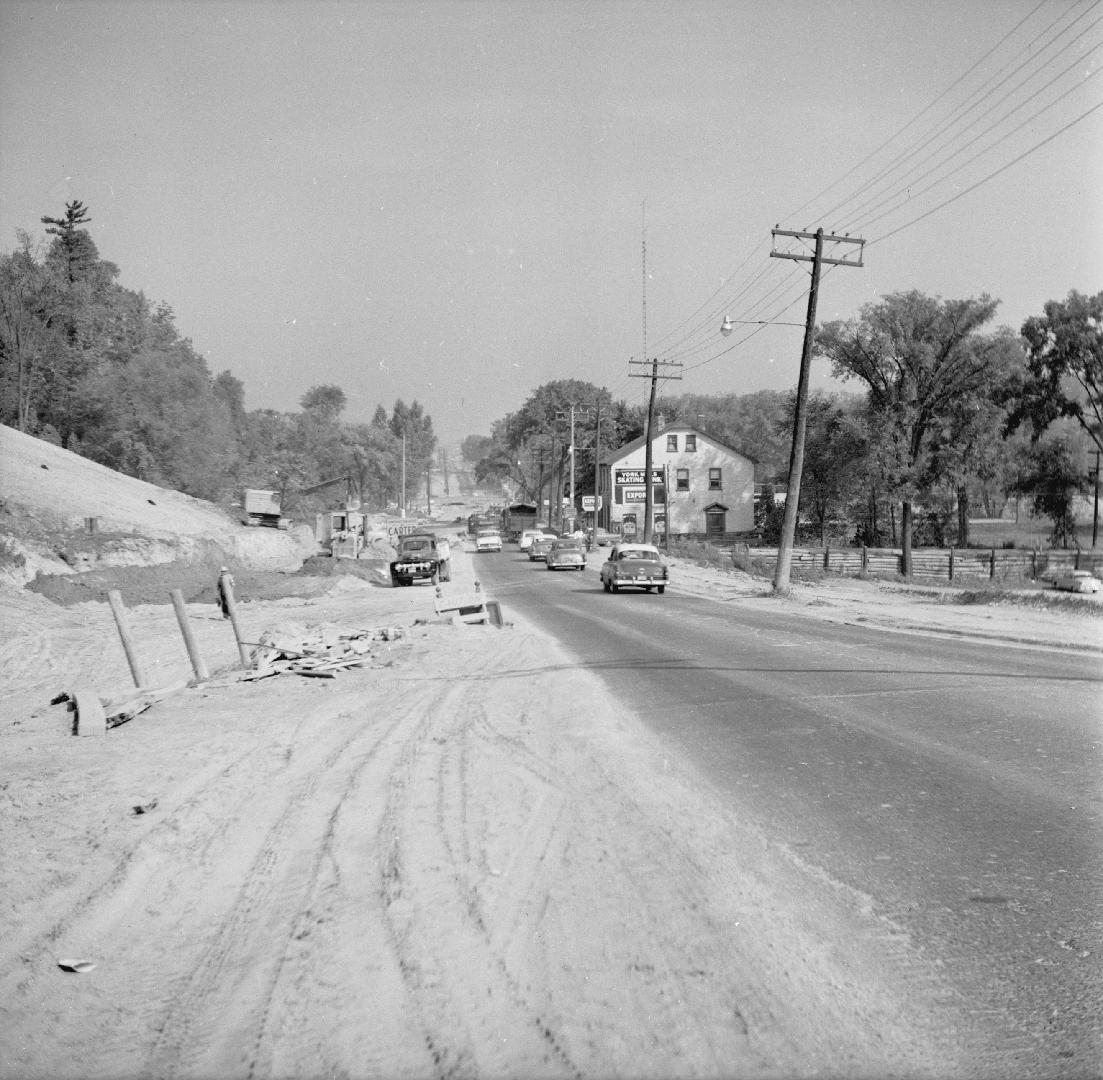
point(918, 357)
point(1064, 368)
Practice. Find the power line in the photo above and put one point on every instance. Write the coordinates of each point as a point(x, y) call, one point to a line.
point(990, 176)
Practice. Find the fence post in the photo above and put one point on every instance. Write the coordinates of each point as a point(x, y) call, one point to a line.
point(198, 666)
point(992, 566)
point(865, 559)
point(951, 564)
point(115, 599)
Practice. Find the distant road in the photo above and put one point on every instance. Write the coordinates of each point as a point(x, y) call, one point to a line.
point(954, 787)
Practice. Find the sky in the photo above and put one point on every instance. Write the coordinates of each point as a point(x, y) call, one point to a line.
point(457, 201)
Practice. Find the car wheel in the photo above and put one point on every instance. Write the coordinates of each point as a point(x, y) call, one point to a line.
point(614, 587)
point(605, 585)
point(395, 582)
point(661, 589)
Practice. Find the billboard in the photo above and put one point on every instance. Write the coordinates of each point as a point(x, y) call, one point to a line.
point(635, 476)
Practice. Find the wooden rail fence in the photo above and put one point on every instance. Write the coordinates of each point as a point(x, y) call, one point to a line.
point(934, 564)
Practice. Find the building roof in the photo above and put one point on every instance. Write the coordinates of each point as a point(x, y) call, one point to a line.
point(670, 429)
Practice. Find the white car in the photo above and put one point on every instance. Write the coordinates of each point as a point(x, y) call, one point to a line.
point(488, 538)
point(1078, 581)
point(527, 537)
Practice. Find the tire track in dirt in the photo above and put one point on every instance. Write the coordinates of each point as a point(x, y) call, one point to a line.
point(344, 1005)
point(194, 1036)
point(474, 1013)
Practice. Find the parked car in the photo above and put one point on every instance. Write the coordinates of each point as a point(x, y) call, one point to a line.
point(601, 537)
point(528, 535)
point(488, 538)
point(540, 546)
point(1078, 581)
point(568, 553)
point(636, 566)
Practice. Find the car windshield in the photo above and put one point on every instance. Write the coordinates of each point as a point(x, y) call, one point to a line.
point(647, 556)
point(414, 546)
point(569, 545)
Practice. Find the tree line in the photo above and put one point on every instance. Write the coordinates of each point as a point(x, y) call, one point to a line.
point(98, 369)
point(949, 417)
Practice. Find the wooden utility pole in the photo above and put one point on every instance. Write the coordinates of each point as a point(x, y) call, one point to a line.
point(648, 457)
point(1094, 474)
point(403, 500)
point(800, 418)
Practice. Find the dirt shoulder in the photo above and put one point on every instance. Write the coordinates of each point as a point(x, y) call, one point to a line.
point(432, 865)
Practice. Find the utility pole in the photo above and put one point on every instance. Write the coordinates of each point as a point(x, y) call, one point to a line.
point(570, 450)
point(597, 466)
point(1094, 474)
point(648, 459)
point(800, 418)
point(404, 476)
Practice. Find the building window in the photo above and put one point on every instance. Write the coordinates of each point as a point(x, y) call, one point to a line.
point(691, 444)
point(714, 480)
point(672, 444)
point(681, 479)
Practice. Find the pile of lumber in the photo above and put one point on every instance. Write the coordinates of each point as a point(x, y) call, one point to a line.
point(315, 652)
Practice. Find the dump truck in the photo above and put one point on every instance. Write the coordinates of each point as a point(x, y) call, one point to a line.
point(262, 508)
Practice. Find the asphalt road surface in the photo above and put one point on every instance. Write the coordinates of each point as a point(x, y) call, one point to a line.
point(952, 787)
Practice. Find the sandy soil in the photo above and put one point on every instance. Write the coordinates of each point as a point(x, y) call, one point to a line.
point(464, 859)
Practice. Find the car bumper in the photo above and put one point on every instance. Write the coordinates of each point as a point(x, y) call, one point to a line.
point(414, 570)
point(644, 581)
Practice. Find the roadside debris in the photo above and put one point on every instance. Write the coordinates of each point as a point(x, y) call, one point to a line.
point(314, 652)
point(76, 967)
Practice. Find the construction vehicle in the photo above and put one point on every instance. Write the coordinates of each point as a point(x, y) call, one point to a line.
point(263, 508)
point(341, 531)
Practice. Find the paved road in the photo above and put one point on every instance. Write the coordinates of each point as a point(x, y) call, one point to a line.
point(953, 787)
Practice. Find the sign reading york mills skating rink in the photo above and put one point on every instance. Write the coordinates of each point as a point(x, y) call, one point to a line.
point(635, 476)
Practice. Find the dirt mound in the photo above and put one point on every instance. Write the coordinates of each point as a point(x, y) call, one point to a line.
point(196, 579)
point(61, 513)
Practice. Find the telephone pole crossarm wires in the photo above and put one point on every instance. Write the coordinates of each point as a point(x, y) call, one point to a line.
point(800, 417)
point(828, 238)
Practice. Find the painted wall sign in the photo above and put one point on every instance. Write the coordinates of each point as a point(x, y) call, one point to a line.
point(635, 476)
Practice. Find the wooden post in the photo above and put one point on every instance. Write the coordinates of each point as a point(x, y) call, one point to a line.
point(227, 592)
point(951, 564)
point(115, 599)
point(197, 664)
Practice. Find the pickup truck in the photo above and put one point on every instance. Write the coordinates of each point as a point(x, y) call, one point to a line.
point(420, 556)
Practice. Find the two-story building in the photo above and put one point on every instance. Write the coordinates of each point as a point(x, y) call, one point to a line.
point(699, 485)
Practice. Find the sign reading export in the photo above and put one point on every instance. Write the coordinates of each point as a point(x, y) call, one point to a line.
point(635, 476)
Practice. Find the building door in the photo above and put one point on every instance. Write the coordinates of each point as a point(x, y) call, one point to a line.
point(715, 522)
